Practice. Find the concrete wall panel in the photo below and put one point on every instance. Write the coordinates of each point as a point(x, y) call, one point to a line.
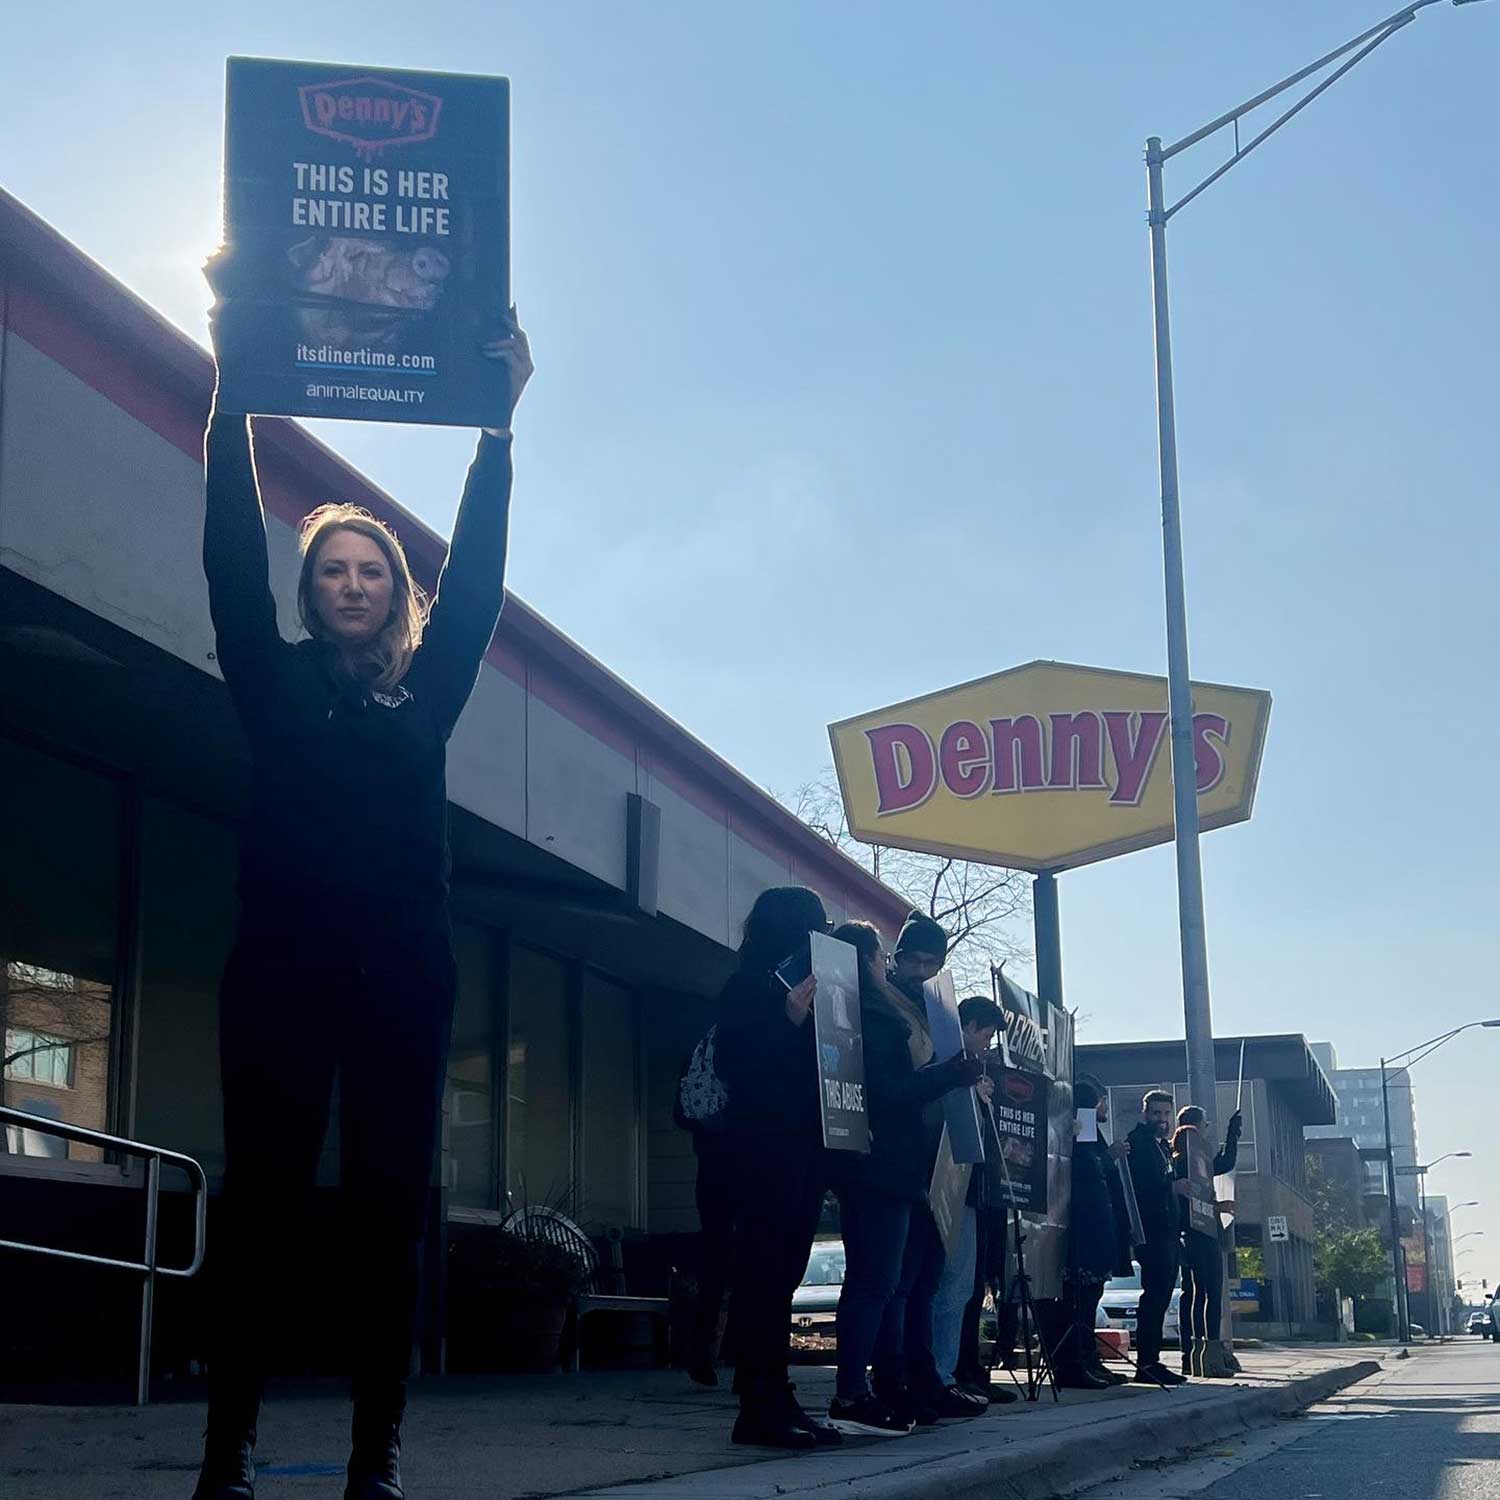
point(578, 787)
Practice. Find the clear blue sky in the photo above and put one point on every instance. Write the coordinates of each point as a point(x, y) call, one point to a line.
point(844, 394)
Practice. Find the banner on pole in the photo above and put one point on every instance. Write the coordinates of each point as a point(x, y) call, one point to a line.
point(366, 243)
point(840, 1039)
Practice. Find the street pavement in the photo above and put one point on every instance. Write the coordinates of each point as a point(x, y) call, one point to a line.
point(632, 1434)
point(1427, 1428)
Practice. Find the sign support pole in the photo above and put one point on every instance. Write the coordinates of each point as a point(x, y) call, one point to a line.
point(1048, 939)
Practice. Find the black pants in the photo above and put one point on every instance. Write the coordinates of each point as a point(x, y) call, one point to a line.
point(780, 1186)
point(299, 1006)
point(989, 1270)
point(716, 1192)
point(903, 1350)
point(1202, 1309)
point(1079, 1348)
point(1159, 1260)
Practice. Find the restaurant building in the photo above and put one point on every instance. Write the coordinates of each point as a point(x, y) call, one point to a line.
point(604, 859)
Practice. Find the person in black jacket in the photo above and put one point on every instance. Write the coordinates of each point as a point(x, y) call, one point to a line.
point(882, 1192)
point(342, 966)
point(1161, 1253)
point(1202, 1308)
point(1098, 1246)
point(765, 1053)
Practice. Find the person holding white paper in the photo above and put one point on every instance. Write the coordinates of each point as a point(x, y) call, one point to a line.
point(1098, 1242)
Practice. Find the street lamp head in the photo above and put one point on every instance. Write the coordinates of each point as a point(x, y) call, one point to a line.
point(1463, 1153)
point(1482, 1023)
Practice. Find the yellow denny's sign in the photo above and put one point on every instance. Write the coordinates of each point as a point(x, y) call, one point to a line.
point(1045, 766)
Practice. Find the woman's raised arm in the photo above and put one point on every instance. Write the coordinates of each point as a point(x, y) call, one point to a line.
point(471, 590)
point(234, 556)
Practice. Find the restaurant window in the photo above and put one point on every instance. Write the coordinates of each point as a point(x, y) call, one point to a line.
point(539, 1081)
point(189, 911)
point(59, 918)
point(611, 1126)
point(471, 1132)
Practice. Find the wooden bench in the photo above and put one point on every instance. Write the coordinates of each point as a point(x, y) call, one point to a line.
point(604, 1289)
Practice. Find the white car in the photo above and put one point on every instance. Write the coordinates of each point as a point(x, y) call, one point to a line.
point(815, 1303)
point(1121, 1302)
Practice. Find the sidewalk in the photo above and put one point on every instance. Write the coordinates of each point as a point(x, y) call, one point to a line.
point(639, 1434)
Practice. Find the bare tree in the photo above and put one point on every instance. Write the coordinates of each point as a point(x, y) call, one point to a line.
point(44, 1013)
point(983, 908)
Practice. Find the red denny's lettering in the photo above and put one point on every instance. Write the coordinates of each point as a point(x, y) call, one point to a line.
point(370, 113)
point(1012, 756)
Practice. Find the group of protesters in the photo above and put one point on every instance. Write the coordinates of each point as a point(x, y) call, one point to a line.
point(909, 1311)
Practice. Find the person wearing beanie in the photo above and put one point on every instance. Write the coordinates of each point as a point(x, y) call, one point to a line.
point(921, 936)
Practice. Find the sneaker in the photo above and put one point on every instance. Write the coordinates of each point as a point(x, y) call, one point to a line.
point(905, 1404)
point(868, 1417)
point(702, 1373)
point(952, 1401)
point(1158, 1374)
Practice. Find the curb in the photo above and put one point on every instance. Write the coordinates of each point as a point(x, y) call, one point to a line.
point(1096, 1449)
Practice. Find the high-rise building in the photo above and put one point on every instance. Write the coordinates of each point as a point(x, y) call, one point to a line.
point(1362, 1118)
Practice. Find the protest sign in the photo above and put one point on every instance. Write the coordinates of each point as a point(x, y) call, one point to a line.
point(366, 234)
point(840, 1039)
point(960, 1110)
point(1202, 1215)
point(1019, 1114)
point(947, 1193)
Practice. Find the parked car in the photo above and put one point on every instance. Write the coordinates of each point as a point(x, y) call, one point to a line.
point(815, 1303)
point(1121, 1301)
point(1479, 1322)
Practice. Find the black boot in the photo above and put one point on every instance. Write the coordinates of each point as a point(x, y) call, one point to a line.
point(228, 1471)
point(375, 1453)
point(767, 1418)
point(824, 1434)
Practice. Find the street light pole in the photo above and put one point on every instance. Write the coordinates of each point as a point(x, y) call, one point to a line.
point(1398, 1286)
point(1197, 1010)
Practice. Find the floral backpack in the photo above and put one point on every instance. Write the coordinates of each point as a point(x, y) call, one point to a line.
point(702, 1098)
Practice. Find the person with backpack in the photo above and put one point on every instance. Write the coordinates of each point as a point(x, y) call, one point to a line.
point(701, 1109)
point(765, 1053)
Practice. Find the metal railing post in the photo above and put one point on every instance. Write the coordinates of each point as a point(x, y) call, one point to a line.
point(148, 1283)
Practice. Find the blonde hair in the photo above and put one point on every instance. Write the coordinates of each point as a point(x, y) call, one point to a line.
point(384, 662)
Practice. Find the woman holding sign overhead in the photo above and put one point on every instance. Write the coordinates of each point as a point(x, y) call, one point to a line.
point(342, 967)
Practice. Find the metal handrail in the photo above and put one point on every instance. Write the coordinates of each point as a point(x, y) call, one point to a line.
point(146, 1267)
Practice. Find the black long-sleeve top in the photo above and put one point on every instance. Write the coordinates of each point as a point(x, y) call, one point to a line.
point(905, 1104)
point(1151, 1176)
point(769, 1065)
point(348, 800)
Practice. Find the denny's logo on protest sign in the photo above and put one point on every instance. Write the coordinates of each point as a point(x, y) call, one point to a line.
point(366, 229)
point(1045, 766)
